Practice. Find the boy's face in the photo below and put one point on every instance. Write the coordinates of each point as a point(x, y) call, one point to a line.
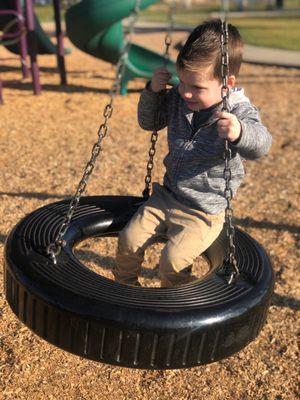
point(199, 89)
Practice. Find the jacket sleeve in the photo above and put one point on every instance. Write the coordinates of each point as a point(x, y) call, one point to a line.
point(153, 109)
point(255, 140)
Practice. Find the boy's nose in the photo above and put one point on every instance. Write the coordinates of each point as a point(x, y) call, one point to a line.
point(187, 95)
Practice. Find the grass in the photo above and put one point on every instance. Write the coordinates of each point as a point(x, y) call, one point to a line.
point(280, 33)
point(276, 32)
point(44, 13)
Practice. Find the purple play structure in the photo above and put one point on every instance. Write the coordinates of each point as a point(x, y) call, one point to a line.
point(25, 34)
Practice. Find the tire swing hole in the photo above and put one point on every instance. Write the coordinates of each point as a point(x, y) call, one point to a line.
point(98, 255)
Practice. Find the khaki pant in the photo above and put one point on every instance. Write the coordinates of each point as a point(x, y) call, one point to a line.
point(189, 233)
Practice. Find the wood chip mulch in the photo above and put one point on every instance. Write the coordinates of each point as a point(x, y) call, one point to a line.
point(45, 142)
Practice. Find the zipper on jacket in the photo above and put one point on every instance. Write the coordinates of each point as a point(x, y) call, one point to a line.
point(200, 127)
point(187, 143)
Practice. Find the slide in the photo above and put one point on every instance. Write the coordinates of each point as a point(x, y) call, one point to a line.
point(95, 27)
point(44, 44)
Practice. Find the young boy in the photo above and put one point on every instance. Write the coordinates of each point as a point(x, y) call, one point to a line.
point(189, 207)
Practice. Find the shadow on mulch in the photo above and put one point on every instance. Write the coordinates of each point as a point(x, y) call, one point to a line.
point(256, 82)
point(250, 222)
point(246, 222)
point(285, 301)
point(52, 70)
point(36, 195)
point(107, 262)
point(267, 75)
point(54, 88)
point(63, 88)
point(11, 68)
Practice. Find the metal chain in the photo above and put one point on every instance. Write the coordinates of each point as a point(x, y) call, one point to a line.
point(231, 259)
point(168, 38)
point(154, 135)
point(55, 247)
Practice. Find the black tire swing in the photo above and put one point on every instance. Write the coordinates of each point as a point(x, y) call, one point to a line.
point(79, 311)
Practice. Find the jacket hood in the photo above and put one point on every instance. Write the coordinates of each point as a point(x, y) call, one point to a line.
point(236, 96)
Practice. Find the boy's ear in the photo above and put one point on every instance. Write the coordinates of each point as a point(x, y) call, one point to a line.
point(231, 81)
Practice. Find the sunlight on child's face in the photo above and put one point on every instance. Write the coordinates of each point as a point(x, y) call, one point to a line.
point(199, 89)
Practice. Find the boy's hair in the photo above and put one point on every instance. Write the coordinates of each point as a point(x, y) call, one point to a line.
point(203, 48)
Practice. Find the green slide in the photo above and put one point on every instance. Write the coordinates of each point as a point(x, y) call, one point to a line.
point(95, 27)
point(44, 44)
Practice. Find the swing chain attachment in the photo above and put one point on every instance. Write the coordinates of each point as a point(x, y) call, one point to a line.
point(154, 135)
point(168, 38)
point(54, 248)
point(230, 260)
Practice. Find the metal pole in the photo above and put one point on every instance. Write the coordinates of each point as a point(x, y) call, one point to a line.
point(32, 47)
point(225, 5)
point(60, 52)
point(22, 44)
point(1, 86)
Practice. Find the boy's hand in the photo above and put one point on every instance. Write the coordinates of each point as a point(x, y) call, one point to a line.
point(160, 79)
point(229, 126)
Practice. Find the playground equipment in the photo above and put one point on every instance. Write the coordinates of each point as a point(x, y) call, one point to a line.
point(13, 37)
point(79, 311)
point(95, 27)
point(36, 42)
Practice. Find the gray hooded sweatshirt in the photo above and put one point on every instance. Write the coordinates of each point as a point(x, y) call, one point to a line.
point(195, 164)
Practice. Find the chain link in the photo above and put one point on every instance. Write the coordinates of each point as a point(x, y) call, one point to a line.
point(55, 247)
point(154, 135)
point(168, 38)
point(231, 259)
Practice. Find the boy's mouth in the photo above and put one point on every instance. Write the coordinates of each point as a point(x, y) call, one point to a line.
point(192, 104)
